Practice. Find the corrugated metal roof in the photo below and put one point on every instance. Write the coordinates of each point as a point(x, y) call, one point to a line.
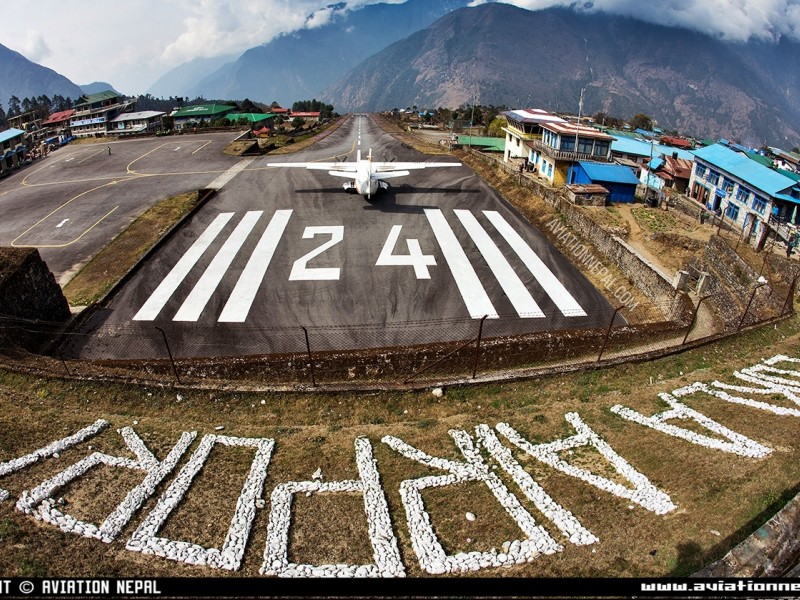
point(136, 116)
point(611, 173)
point(10, 134)
point(624, 145)
point(757, 175)
point(64, 115)
point(533, 115)
point(486, 142)
point(252, 117)
point(202, 110)
point(98, 97)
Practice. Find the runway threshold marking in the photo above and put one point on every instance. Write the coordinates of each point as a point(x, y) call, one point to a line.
point(470, 286)
point(238, 306)
point(512, 285)
point(194, 304)
point(565, 302)
point(170, 283)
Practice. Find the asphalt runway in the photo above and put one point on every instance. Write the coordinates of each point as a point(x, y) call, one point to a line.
point(279, 250)
point(70, 204)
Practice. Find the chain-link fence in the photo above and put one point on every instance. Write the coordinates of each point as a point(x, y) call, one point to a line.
point(396, 355)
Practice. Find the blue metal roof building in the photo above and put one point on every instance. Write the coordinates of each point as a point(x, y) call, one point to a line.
point(744, 190)
point(12, 150)
point(751, 172)
point(617, 179)
point(627, 147)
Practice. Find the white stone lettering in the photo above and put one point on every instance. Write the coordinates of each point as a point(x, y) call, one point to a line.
point(386, 552)
point(561, 518)
point(737, 444)
point(144, 538)
point(430, 553)
point(643, 492)
point(40, 503)
point(17, 464)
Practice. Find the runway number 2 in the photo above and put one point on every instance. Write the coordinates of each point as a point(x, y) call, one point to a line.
point(415, 258)
point(300, 270)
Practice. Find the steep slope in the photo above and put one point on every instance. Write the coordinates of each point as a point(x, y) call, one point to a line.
point(500, 54)
point(23, 78)
point(300, 65)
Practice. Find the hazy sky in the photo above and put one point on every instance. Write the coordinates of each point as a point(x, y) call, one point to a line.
point(130, 45)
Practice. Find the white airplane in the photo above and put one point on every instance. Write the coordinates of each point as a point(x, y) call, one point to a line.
point(368, 176)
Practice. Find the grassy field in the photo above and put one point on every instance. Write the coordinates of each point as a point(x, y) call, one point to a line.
point(721, 498)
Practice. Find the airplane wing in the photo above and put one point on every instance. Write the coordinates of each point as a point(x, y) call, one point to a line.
point(388, 167)
point(342, 167)
point(387, 170)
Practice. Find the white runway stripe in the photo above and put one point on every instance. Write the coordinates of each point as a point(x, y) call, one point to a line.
point(512, 285)
point(473, 293)
point(230, 174)
point(201, 293)
point(565, 302)
point(170, 283)
point(238, 305)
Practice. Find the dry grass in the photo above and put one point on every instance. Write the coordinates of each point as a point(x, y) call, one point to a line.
point(121, 254)
point(714, 491)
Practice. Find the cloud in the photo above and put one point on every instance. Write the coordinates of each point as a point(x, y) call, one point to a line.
point(134, 44)
point(35, 47)
point(731, 20)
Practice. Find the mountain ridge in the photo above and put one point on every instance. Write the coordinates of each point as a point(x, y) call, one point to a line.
point(284, 69)
point(512, 56)
point(24, 78)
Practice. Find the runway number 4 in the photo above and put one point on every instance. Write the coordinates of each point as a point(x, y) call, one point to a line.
point(415, 258)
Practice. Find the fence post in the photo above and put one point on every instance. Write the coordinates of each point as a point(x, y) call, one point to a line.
point(171, 359)
point(478, 347)
point(747, 308)
point(608, 333)
point(64, 362)
point(789, 303)
point(694, 317)
point(310, 359)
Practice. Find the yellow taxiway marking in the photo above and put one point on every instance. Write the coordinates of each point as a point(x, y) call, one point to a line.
point(43, 219)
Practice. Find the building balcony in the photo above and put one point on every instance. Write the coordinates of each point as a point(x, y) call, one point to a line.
point(513, 131)
point(562, 155)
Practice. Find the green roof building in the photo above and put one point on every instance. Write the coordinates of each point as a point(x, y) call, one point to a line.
point(252, 118)
point(200, 113)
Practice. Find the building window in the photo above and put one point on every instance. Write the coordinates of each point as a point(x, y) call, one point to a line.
point(549, 170)
point(601, 148)
point(585, 145)
point(727, 185)
point(743, 194)
point(712, 177)
point(568, 144)
point(759, 205)
point(732, 212)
